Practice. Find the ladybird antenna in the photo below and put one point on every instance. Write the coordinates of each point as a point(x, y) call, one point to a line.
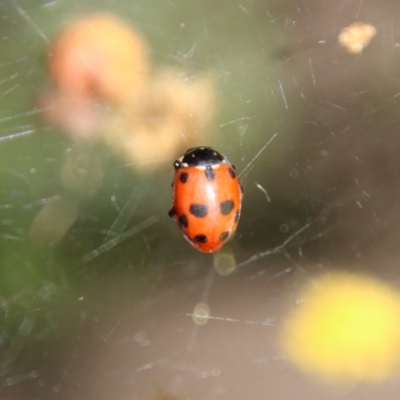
point(251, 162)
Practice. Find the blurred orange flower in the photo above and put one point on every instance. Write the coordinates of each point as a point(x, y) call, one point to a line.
point(105, 92)
point(81, 117)
point(98, 56)
point(356, 36)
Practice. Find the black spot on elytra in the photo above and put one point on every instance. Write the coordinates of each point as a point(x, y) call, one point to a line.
point(198, 210)
point(237, 216)
point(183, 221)
point(183, 177)
point(223, 236)
point(210, 173)
point(232, 173)
point(200, 238)
point(171, 212)
point(226, 207)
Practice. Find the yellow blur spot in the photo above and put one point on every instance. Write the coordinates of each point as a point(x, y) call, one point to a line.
point(347, 328)
point(224, 263)
point(172, 113)
point(201, 314)
point(54, 220)
point(356, 37)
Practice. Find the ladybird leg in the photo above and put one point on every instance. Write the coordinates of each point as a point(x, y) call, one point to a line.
point(172, 212)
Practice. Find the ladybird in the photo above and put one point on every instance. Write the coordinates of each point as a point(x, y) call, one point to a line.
point(207, 198)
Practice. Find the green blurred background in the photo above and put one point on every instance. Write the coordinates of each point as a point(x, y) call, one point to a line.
point(118, 326)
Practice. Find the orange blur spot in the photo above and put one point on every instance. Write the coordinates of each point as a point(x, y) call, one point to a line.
point(356, 37)
point(98, 56)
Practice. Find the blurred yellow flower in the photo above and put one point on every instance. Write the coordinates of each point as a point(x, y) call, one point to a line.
point(171, 114)
point(347, 328)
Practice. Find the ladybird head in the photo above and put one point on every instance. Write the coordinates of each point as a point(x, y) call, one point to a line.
point(200, 157)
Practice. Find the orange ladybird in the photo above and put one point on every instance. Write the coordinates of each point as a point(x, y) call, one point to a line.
point(207, 198)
